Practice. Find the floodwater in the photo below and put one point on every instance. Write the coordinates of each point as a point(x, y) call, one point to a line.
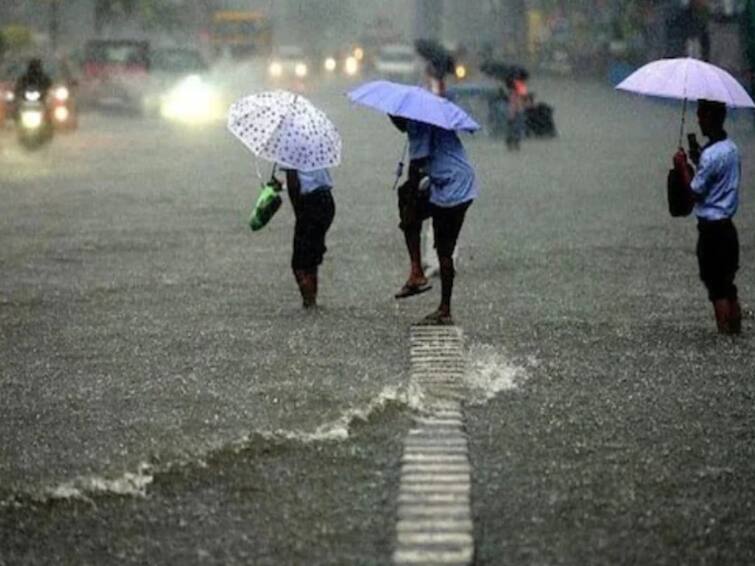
point(165, 399)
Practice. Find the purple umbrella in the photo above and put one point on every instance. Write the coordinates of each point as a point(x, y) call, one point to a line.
point(687, 79)
point(414, 103)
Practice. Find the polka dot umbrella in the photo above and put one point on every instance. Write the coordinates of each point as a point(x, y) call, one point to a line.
point(286, 129)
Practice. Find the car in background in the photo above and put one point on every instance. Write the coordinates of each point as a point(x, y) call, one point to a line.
point(345, 61)
point(289, 64)
point(115, 73)
point(398, 62)
point(62, 99)
point(179, 86)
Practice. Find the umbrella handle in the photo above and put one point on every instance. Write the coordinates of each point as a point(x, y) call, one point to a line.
point(400, 166)
point(684, 121)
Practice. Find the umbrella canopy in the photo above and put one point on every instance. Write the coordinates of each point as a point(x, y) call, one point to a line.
point(687, 79)
point(414, 103)
point(441, 60)
point(287, 129)
point(501, 71)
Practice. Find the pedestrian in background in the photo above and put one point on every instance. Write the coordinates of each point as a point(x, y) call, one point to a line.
point(715, 190)
point(312, 200)
point(518, 94)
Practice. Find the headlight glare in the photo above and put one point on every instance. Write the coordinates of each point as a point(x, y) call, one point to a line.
point(62, 94)
point(351, 66)
point(31, 119)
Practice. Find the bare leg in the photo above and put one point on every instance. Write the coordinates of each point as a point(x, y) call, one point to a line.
point(413, 245)
point(447, 274)
point(307, 282)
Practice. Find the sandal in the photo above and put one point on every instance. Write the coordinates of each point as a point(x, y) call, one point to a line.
point(411, 290)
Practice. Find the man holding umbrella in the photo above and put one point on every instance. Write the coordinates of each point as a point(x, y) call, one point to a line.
point(438, 153)
point(431, 122)
point(286, 129)
point(715, 189)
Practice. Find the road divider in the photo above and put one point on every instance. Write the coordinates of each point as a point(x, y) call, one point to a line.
point(434, 503)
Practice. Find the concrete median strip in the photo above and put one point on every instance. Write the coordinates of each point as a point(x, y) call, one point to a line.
point(435, 514)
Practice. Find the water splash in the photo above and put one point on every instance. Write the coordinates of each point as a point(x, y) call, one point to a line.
point(490, 371)
point(135, 484)
point(129, 484)
point(339, 430)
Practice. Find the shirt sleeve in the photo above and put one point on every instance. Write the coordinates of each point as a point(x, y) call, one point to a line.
point(420, 137)
point(706, 174)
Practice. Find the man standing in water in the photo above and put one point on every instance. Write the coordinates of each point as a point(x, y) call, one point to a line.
point(439, 154)
point(715, 189)
point(314, 208)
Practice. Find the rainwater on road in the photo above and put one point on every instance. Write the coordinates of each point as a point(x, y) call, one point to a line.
point(165, 400)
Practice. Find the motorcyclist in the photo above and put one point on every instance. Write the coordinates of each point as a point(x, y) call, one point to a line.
point(34, 78)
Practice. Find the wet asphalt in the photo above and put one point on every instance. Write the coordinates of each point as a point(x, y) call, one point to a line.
point(142, 323)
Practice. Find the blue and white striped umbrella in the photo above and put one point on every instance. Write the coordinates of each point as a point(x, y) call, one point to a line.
point(287, 129)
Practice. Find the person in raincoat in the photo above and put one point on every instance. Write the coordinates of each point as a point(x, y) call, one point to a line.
point(312, 200)
point(438, 154)
point(715, 190)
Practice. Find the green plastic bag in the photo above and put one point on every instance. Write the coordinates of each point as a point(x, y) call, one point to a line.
point(267, 205)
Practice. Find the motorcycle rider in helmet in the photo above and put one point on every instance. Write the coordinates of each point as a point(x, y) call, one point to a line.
point(34, 78)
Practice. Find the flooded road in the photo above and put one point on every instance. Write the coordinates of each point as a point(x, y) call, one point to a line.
point(154, 346)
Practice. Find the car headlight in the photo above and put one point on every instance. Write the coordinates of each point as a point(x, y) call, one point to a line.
point(275, 69)
point(359, 53)
point(61, 114)
point(192, 100)
point(61, 93)
point(31, 119)
point(351, 66)
point(301, 70)
point(10, 96)
point(32, 95)
point(330, 64)
point(461, 71)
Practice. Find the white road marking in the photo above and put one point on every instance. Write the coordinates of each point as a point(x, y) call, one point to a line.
point(434, 502)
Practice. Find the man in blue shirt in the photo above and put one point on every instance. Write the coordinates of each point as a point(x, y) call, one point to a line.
point(715, 189)
point(438, 154)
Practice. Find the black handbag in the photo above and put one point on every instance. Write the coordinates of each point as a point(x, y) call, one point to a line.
point(680, 199)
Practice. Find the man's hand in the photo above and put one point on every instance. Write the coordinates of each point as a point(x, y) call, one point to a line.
point(680, 160)
point(275, 183)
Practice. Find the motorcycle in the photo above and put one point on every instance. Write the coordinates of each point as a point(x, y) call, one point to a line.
point(33, 121)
